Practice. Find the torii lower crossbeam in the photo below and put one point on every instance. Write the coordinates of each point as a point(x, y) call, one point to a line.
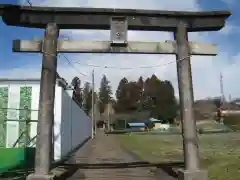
point(78, 46)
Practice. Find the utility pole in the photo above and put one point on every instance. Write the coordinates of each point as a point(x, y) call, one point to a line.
point(93, 103)
point(223, 100)
point(96, 114)
point(222, 89)
point(43, 156)
point(108, 116)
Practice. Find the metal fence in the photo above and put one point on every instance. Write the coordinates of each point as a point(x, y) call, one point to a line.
point(16, 118)
point(16, 132)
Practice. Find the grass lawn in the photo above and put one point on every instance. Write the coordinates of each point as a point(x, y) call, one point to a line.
point(220, 153)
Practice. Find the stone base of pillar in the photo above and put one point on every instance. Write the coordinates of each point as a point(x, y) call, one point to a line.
point(192, 175)
point(39, 177)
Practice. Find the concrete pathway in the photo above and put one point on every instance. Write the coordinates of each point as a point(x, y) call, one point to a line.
point(103, 158)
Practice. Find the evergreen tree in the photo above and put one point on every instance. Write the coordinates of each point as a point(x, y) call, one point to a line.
point(151, 95)
point(121, 95)
point(77, 94)
point(120, 92)
point(166, 104)
point(86, 91)
point(134, 95)
point(105, 93)
point(140, 84)
point(151, 87)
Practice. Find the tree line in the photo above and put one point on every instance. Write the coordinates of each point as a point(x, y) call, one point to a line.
point(83, 96)
point(151, 94)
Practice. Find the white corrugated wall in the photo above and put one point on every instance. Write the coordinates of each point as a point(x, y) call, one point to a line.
point(76, 126)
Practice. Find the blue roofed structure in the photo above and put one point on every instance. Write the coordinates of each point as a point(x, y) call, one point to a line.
point(137, 124)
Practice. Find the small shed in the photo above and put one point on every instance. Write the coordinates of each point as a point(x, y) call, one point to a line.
point(159, 125)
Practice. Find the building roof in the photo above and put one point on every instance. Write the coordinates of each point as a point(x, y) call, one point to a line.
point(19, 79)
point(155, 120)
point(25, 79)
point(59, 80)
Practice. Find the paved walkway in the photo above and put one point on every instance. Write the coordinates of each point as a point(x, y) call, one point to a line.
point(103, 158)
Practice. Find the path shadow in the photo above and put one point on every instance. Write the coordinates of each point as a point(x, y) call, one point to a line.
point(69, 169)
point(69, 172)
point(169, 168)
point(16, 173)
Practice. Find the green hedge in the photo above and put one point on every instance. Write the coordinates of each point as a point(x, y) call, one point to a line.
point(119, 124)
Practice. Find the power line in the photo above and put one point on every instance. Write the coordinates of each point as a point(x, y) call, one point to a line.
point(28, 2)
point(113, 67)
point(69, 62)
point(72, 66)
point(131, 68)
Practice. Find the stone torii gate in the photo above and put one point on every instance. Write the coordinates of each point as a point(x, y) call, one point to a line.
point(119, 21)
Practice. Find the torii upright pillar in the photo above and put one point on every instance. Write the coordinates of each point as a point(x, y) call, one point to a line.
point(189, 130)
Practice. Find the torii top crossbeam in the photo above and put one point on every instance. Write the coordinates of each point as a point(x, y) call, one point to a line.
point(99, 18)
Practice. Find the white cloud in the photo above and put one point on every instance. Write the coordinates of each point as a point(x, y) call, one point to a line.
point(206, 70)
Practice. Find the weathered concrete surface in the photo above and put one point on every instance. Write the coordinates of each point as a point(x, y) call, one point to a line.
point(134, 47)
point(103, 158)
point(98, 18)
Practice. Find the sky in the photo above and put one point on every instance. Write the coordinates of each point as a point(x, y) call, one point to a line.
point(206, 70)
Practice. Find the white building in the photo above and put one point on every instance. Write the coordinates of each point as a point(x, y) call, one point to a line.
point(158, 125)
point(19, 99)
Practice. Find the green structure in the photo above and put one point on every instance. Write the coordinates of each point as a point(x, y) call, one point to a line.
point(3, 115)
point(15, 159)
point(16, 123)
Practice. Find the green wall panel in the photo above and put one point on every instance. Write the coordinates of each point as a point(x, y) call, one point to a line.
point(25, 115)
point(3, 114)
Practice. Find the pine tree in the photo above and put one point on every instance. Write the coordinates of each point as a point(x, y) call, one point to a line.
point(86, 91)
point(121, 95)
point(88, 105)
point(77, 94)
point(134, 94)
point(152, 95)
point(119, 91)
point(105, 93)
point(140, 84)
